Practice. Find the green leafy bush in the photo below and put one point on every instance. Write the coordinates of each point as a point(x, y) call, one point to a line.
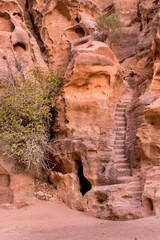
point(25, 117)
point(111, 26)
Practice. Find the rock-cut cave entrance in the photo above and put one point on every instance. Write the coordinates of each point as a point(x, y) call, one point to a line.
point(84, 183)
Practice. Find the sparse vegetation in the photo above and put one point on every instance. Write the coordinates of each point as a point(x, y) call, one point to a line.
point(26, 108)
point(111, 26)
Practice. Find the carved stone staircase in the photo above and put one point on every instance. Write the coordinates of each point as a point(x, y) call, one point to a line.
point(121, 163)
point(125, 174)
point(123, 199)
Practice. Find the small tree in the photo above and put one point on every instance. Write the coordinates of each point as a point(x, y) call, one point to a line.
point(110, 26)
point(26, 108)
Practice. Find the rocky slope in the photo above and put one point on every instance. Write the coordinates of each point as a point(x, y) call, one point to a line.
point(106, 146)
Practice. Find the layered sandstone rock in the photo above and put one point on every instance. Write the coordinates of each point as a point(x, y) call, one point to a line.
point(84, 150)
point(19, 50)
point(93, 86)
point(15, 189)
point(148, 145)
point(19, 53)
point(94, 148)
point(127, 9)
point(74, 148)
point(125, 48)
point(140, 76)
point(58, 22)
point(143, 111)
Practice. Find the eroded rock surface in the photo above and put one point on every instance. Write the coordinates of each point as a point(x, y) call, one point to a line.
point(58, 22)
point(19, 50)
point(88, 174)
point(104, 110)
point(16, 190)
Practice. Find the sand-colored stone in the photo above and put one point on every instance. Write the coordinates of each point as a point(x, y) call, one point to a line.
point(19, 50)
point(93, 86)
point(148, 149)
point(85, 135)
point(111, 201)
point(15, 189)
point(37, 34)
point(59, 22)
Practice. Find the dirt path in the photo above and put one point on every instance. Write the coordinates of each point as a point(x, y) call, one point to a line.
point(54, 221)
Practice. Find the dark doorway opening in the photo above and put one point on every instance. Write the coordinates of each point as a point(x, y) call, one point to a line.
point(84, 183)
point(150, 204)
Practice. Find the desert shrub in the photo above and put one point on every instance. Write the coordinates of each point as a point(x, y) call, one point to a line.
point(111, 26)
point(26, 108)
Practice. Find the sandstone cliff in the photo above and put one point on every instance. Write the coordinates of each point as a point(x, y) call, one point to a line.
point(106, 131)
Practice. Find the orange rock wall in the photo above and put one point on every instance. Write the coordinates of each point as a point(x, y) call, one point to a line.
point(54, 33)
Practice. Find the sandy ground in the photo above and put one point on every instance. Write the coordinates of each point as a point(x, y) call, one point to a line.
point(54, 221)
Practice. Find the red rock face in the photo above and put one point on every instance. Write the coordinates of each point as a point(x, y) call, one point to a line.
point(59, 22)
point(109, 102)
point(15, 189)
point(19, 49)
point(4, 186)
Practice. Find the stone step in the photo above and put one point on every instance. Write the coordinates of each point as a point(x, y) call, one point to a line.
point(120, 147)
point(120, 161)
point(117, 145)
point(125, 179)
point(121, 124)
point(119, 110)
point(124, 172)
point(120, 137)
point(125, 101)
point(121, 156)
point(121, 133)
point(136, 193)
point(121, 120)
point(121, 129)
point(120, 114)
point(124, 165)
point(120, 152)
point(121, 105)
point(119, 142)
point(134, 188)
point(136, 181)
